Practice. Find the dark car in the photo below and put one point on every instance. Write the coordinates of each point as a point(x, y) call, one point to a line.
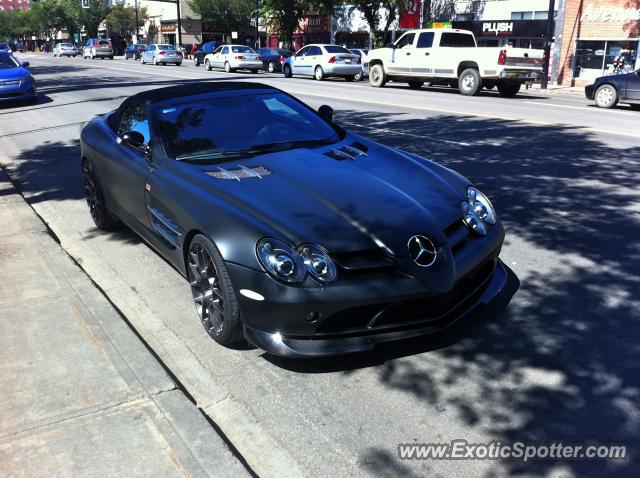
point(203, 51)
point(16, 82)
point(134, 51)
point(304, 238)
point(273, 58)
point(607, 91)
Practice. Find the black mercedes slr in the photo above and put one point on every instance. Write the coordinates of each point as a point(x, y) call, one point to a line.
point(301, 237)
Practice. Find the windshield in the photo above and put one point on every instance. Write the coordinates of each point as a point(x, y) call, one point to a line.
point(224, 126)
point(8, 61)
point(241, 49)
point(335, 49)
point(4, 46)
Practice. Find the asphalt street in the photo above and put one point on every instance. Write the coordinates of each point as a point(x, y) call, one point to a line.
point(561, 363)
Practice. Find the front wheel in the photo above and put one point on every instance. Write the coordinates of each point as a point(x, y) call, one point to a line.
point(271, 67)
point(350, 78)
point(508, 89)
point(227, 67)
point(359, 77)
point(207, 65)
point(377, 76)
point(416, 85)
point(286, 71)
point(254, 71)
point(212, 291)
point(635, 107)
point(470, 82)
point(606, 96)
point(142, 60)
point(101, 216)
point(318, 73)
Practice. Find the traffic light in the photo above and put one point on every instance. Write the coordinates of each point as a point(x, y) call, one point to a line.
point(85, 3)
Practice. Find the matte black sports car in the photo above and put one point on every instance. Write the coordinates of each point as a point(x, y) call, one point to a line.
point(607, 91)
point(303, 238)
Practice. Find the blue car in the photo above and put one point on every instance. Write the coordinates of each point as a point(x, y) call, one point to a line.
point(16, 83)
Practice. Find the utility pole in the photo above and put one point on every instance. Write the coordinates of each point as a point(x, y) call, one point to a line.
point(257, 20)
point(548, 38)
point(179, 37)
point(137, 24)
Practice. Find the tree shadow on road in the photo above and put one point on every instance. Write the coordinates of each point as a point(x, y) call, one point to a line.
point(562, 362)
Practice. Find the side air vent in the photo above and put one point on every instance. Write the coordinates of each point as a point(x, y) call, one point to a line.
point(242, 172)
point(347, 152)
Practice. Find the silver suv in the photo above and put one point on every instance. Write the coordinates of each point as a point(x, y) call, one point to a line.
point(98, 48)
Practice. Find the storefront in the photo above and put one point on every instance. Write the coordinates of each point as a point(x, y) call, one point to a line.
point(315, 28)
point(514, 33)
point(596, 32)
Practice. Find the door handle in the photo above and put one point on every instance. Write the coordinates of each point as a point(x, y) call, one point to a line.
point(427, 54)
point(408, 53)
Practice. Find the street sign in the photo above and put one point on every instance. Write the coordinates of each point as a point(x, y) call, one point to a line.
point(85, 3)
point(234, 35)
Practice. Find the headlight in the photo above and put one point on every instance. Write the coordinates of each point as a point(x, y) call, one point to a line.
point(318, 263)
point(25, 79)
point(281, 261)
point(478, 211)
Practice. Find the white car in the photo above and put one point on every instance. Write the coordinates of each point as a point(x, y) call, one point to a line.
point(322, 61)
point(364, 59)
point(232, 58)
point(65, 49)
point(161, 54)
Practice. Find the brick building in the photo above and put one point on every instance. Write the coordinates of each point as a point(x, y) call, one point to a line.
point(14, 5)
point(594, 32)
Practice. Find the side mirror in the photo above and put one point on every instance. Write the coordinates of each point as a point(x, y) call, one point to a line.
point(326, 113)
point(25, 64)
point(134, 139)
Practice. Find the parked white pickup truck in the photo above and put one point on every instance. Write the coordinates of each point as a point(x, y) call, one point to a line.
point(451, 56)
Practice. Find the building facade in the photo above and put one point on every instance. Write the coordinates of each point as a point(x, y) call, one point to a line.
point(594, 33)
point(6, 5)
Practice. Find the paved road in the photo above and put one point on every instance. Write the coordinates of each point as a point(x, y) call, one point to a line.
point(561, 363)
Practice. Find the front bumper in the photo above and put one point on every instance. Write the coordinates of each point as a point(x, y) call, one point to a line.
point(18, 91)
point(342, 69)
point(590, 91)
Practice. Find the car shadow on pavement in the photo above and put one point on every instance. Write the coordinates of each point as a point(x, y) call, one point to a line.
point(562, 362)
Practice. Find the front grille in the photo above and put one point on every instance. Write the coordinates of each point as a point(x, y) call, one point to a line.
point(11, 95)
point(428, 311)
point(362, 260)
point(457, 234)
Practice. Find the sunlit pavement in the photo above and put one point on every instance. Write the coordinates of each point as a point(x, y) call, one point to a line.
point(559, 364)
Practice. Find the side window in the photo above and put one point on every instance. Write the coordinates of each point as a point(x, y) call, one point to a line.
point(425, 40)
point(406, 41)
point(225, 50)
point(134, 118)
point(304, 51)
point(315, 51)
point(457, 40)
point(217, 50)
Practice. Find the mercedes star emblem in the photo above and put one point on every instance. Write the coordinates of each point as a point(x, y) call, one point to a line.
point(422, 250)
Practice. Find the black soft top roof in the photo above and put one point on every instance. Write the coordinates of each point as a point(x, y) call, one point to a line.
point(193, 89)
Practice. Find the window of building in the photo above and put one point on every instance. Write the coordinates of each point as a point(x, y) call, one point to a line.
point(521, 15)
point(589, 57)
point(541, 15)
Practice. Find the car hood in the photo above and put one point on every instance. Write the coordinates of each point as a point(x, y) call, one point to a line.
point(13, 73)
point(373, 201)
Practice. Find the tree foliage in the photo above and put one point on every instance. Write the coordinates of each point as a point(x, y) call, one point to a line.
point(122, 19)
point(224, 15)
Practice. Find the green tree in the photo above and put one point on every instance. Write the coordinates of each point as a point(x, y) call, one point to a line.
point(371, 13)
point(225, 15)
point(122, 19)
point(283, 16)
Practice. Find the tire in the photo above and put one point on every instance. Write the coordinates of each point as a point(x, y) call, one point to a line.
point(318, 73)
point(212, 291)
point(155, 61)
point(196, 62)
point(488, 84)
point(359, 77)
point(207, 65)
point(102, 217)
point(635, 107)
point(227, 67)
point(286, 71)
point(142, 60)
point(377, 76)
point(271, 67)
point(179, 63)
point(606, 96)
point(508, 89)
point(254, 71)
point(470, 82)
point(350, 78)
point(110, 58)
point(416, 85)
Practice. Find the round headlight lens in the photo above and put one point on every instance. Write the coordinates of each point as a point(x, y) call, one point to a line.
point(281, 261)
point(477, 211)
point(318, 263)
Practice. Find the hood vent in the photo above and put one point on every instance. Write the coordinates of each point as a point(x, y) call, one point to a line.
point(241, 172)
point(347, 152)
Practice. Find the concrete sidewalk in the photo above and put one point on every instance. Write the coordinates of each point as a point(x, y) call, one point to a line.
point(80, 394)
